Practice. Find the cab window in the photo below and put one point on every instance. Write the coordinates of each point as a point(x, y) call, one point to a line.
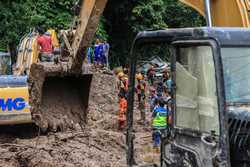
point(196, 97)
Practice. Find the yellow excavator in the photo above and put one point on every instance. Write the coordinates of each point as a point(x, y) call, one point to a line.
point(38, 92)
point(224, 13)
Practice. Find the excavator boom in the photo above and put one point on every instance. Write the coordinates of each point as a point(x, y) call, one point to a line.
point(86, 28)
point(225, 13)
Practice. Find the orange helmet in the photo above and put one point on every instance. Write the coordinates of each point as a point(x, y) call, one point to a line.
point(139, 76)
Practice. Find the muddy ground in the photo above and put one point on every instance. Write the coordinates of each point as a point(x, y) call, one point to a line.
point(96, 144)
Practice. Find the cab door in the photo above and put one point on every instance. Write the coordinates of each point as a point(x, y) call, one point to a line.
point(199, 136)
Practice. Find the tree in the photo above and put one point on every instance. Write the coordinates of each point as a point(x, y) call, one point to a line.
point(121, 22)
point(148, 15)
point(18, 17)
point(124, 19)
point(178, 15)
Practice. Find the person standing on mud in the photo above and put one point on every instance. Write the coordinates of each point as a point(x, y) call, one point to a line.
point(159, 124)
point(46, 48)
point(123, 83)
point(151, 75)
point(152, 99)
point(122, 111)
point(141, 94)
point(89, 55)
point(97, 53)
point(103, 59)
point(122, 95)
point(106, 53)
point(140, 87)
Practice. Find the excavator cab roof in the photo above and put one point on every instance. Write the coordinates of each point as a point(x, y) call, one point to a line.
point(224, 36)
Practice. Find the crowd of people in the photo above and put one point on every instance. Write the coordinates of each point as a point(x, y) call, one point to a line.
point(99, 54)
point(153, 95)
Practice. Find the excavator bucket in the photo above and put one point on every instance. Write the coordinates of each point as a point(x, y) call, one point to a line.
point(60, 102)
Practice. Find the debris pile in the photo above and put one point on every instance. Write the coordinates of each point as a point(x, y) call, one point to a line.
point(98, 143)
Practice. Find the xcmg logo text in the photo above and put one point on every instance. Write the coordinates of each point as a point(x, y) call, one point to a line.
point(10, 104)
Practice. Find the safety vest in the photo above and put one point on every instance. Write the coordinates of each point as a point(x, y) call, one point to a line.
point(160, 119)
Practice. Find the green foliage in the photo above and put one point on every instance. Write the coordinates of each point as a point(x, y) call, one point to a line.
point(101, 32)
point(148, 14)
point(141, 15)
point(178, 15)
point(121, 22)
point(18, 17)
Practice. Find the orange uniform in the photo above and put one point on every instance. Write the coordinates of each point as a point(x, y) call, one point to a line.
point(122, 113)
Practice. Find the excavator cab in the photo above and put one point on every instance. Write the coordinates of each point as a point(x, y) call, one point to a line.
point(210, 94)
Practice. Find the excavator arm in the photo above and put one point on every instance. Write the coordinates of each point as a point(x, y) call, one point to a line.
point(90, 13)
point(225, 13)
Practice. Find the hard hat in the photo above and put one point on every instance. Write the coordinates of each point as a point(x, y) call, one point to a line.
point(139, 76)
point(120, 74)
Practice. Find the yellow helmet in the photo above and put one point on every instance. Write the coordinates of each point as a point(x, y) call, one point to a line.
point(139, 76)
point(120, 74)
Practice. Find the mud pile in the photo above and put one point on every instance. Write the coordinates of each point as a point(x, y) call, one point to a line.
point(103, 102)
point(96, 144)
point(91, 148)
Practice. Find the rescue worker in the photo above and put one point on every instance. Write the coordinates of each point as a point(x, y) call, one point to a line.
point(119, 82)
point(160, 88)
point(122, 111)
point(159, 124)
point(141, 94)
point(123, 90)
point(156, 100)
point(140, 87)
point(46, 48)
point(123, 83)
point(151, 75)
point(152, 99)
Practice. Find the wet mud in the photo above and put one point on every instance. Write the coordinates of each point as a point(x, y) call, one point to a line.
point(96, 144)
